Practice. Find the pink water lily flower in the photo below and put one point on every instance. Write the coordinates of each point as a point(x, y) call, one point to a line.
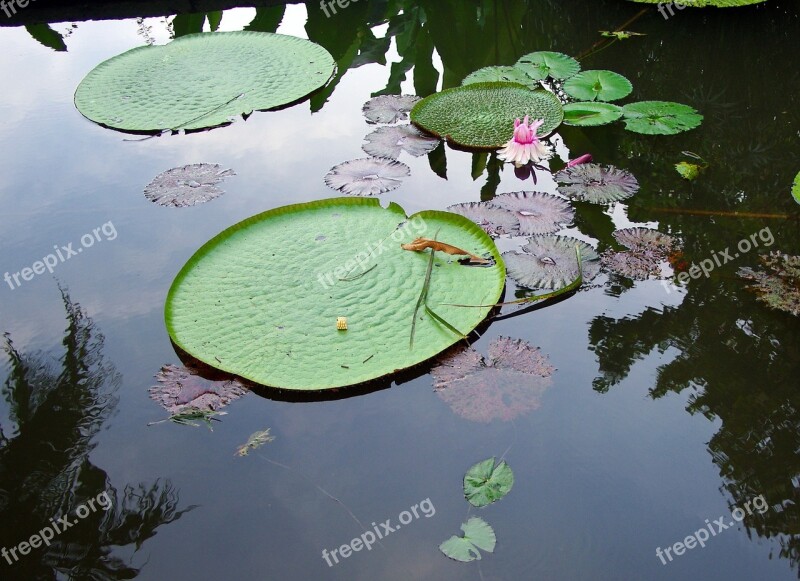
point(525, 145)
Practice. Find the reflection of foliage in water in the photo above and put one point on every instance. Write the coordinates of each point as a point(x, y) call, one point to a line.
point(55, 410)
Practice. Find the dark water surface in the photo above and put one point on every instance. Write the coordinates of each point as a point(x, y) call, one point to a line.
point(669, 408)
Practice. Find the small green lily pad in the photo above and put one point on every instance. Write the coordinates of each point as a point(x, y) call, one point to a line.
point(796, 189)
point(482, 115)
point(598, 86)
point(501, 73)
point(542, 64)
point(589, 114)
point(477, 535)
point(486, 483)
point(688, 171)
point(202, 80)
point(660, 117)
point(261, 300)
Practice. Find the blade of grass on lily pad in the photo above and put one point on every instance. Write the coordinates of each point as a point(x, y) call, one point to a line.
point(598, 86)
point(481, 115)
point(262, 300)
point(485, 483)
point(189, 185)
point(389, 141)
point(505, 385)
point(550, 262)
point(202, 80)
point(796, 188)
point(537, 212)
point(368, 176)
point(496, 221)
point(389, 108)
point(598, 184)
point(477, 535)
point(502, 73)
point(660, 117)
point(543, 64)
point(589, 114)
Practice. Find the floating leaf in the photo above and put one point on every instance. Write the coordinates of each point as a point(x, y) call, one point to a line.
point(646, 238)
point(688, 171)
point(637, 265)
point(189, 185)
point(588, 114)
point(550, 262)
point(368, 176)
point(256, 440)
point(389, 108)
point(482, 114)
point(390, 141)
point(485, 483)
point(537, 212)
point(501, 73)
point(779, 285)
point(494, 220)
point(796, 188)
point(542, 64)
point(261, 299)
point(590, 182)
point(660, 117)
point(202, 80)
point(506, 385)
point(182, 388)
point(598, 86)
point(477, 535)
point(620, 34)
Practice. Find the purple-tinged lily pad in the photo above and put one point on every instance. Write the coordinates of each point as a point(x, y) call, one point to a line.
point(779, 285)
point(508, 383)
point(551, 262)
point(389, 141)
point(389, 108)
point(646, 238)
point(181, 388)
point(368, 176)
point(636, 264)
point(537, 212)
point(188, 185)
point(590, 182)
point(494, 220)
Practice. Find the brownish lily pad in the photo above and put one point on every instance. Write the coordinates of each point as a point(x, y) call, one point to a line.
point(494, 220)
point(180, 389)
point(368, 176)
point(389, 108)
point(537, 212)
point(391, 140)
point(779, 285)
point(188, 185)
point(598, 184)
point(551, 262)
point(503, 386)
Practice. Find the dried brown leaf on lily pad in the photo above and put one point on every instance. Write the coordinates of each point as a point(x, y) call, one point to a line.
point(188, 185)
point(508, 383)
point(537, 212)
point(551, 262)
point(421, 244)
point(779, 285)
point(494, 220)
point(368, 176)
point(391, 140)
point(181, 388)
point(389, 108)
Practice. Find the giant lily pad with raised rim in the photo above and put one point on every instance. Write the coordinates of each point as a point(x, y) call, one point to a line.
point(482, 115)
point(202, 80)
point(261, 299)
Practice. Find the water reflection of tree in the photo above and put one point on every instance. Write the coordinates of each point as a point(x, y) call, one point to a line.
point(56, 408)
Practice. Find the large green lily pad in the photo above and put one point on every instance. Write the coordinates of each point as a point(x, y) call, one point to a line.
point(202, 80)
point(660, 117)
point(261, 300)
point(545, 63)
point(598, 86)
point(482, 114)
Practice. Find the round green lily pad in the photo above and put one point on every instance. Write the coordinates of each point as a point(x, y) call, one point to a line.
point(796, 188)
point(263, 298)
point(501, 73)
point(202, 80)
point(544, 63)
point(482, 115)
point(660, 117)
point(598, 86)
point(589, 113)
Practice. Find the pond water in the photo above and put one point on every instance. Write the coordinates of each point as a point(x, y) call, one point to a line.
point(670, 407)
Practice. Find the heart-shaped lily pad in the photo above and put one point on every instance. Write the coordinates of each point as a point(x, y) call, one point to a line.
point(598, 86)
point(485, 483)
point(542, 64)
point(202, 80)
point(589, 113)
point(262, 299)
point(478, 534)
point(482, 115)
point(660, 117)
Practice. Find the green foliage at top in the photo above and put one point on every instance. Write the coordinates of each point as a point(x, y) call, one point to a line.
point(542, 64)
point(486, 483)
point(202, 80)
point(482, 115)
point(261, 300)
